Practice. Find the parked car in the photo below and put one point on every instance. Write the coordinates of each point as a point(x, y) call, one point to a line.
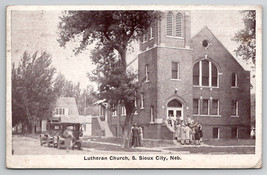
point(48, 137)
point(54, 135)
point(59, 139)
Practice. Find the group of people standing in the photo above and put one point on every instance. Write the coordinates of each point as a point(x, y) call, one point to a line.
point(136, 135)
point(188, 132)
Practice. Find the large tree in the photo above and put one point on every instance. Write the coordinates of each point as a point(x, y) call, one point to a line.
point(112, 32)
point(246, 38)
point(32, 92)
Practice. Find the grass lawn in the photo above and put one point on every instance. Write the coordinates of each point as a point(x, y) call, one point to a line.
point(216, 150)
point(230, 142)
point(145, 143)
point(107, 147)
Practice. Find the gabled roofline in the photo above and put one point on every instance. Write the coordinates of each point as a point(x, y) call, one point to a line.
point(206, 27)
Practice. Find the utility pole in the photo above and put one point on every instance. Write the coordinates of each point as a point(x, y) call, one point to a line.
point(84, 105)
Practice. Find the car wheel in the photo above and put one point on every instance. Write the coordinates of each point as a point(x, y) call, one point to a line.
point(58, 143)
point(79, 145)
point(54, 142)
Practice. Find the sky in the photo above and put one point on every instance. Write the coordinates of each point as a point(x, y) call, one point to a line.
point(38, 31)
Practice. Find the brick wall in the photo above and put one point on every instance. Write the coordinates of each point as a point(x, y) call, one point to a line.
point(149, 89)
point(226, 64)
point(166, 87)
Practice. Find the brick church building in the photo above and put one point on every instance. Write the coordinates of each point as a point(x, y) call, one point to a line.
point(186, 76)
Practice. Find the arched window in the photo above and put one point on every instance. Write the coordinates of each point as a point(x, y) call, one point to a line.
point(179, 18)
point(174, 103)
point(234, 80)
point(205, 73)
point(169, 23)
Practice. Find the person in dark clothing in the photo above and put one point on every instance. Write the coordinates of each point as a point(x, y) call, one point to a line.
point(197, 134)
point(140, 134)
point(135, 135)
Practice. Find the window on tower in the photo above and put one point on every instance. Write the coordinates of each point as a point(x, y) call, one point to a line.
point(175, 70)
point(142, 101)
point(146, 73)
point(169, 23)
point(179, 25)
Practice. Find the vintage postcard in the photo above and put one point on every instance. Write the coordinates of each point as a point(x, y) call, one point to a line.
point(119, 87)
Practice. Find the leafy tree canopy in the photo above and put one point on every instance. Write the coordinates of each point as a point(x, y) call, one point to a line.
point(32, 91)
point(115, 29)
point(246, 38)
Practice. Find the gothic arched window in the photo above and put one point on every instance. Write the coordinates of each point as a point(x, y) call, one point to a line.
point(205, 73)
point(169, 23)
point(179, 18)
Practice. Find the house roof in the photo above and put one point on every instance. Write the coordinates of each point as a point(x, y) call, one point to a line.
point(68, 102)
point(100, 102)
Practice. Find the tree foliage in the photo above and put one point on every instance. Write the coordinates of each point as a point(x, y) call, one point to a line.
point(115, 29)
point(246, 38)
point(113, 32)
point(84, 97)
point(32, 91)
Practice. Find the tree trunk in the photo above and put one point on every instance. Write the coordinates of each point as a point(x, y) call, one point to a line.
point(33, 124)
point(123, 58)
point(127, 130)
point(33, 127)
point(128, 124)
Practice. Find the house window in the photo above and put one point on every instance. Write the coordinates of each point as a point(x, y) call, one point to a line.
point(179, 25)
point(114, 113)
point(234, 108)
point(152, 32)
point(214, 107)
point(234, 80)
point(175, 70)
point(123, 110)
point(169, 23)
point(205, 73)
point(195, 106)
point(216, 133)
point(142, 101)
point(144, 37)
point(152, 117)
point(205, 107)
point(146, 73)
point(60, 111)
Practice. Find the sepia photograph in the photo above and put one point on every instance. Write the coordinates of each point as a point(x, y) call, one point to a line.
point(134, 87)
